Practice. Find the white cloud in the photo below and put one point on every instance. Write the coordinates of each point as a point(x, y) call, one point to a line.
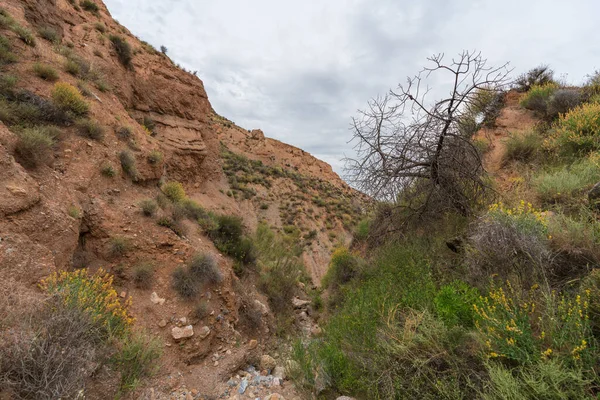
point(299, 70)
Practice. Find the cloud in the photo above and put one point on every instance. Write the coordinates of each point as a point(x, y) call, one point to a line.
point(300, 70)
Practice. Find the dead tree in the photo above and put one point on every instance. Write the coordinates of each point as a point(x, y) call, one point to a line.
point(417, 154)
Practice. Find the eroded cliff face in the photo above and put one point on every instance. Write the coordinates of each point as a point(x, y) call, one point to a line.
point(66, 212)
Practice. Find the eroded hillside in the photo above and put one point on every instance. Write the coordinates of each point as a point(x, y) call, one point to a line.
point(96, 127)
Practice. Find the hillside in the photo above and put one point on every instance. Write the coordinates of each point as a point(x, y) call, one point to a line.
point(114, 160)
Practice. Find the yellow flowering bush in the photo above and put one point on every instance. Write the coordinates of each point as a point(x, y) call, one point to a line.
point(537, 97)
point(535, 326)
point(576, 132)
point(95, 295)
point(524, 216)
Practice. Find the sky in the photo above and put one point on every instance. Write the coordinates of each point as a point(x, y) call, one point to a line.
point(300, 70)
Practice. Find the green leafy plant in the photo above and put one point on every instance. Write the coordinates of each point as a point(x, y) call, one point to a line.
point(46, 72)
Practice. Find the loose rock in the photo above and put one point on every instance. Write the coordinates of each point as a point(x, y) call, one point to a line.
point(267, 362)
point(156, 300)
point(182, 333)
point(204, 332)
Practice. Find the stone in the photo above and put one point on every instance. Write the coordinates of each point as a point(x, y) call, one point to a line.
point(204, 332)
point(123, 295)
point(162, 323)
point(267, 362)
point(182, 333)
point(279, 372)
point(155, 299)
point(276, 382)
point(299, 303)
point(243, 386)
point(291, 366)
point(216, 364)
point(274, 396)
point(252, 344)
point(183, 321)
point(594, 196)
point(315, 330)
point(263, 308)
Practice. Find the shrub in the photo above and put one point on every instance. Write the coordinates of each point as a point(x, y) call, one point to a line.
point(90, 6)
point(566, 184)
point(200, 310)
point(90, 129)
point(174, 191)
point(184, 283)
point(6, 55)
point(50, 34)
point(343, 267)
point(537, 97)
point(51, 355)
point(118, 246)
point(46, 72)
point(128, 164)
point(509, 242)
point(124, 133)
point(148, 207)
point(68, 98)
point(100, 27)
point(562, 101)
point(143, 276)
point(454, 304)
point(361, 232)
point(72, 67)
point(227, 235)
point(34, 146)
point(94, 295)
point(522, 147)
point(136, 359)
point(108, 170)
point(74, 212)
point(24, 34)
point(123, 50)
point(204, 268)
point(576, 132)
point(192, 210)
point(540, 75)
point(524, 328)
point(155, 157)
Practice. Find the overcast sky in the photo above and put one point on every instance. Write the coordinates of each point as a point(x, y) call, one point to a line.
point(299, 70)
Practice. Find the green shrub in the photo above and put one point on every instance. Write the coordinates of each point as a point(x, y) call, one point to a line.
point(361, 232)
point(562, 101)
point(24, 34)
point(577, 132)
point(72, 67)
point(143, 276)
point(538, 76)
point(343, 267)
point(34, 146)
point(192, 210)
point(128, 164)
point(204, 269)
point(522, 147)
point(227, 235)
point(108, 170)
point(123, 50)
point(537, 97)
point(90, 6)
point(565, 185)
point(155, 157)
point(74, 212)
point(100, 27)
point(50, 34)
point(124, 133)
point(118, 246)
point(6, 54)
point(46, 72)
point(68, 98)
point(200, 310)
point(174, 191)
point(184, 284)
point(454, 304)
point(148, 207)
point(136, 359)
point(90, 129)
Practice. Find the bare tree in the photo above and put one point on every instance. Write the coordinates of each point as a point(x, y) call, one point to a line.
point(408, 146)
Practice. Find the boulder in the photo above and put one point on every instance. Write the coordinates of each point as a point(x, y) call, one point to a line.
point(204, 332)
point(299, 303)
point(156, 300)
point(267, 362)
point(182, 333)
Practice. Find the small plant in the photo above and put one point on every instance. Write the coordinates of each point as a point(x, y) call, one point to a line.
point(24, 34)
point(163, 50)
point(123, 50)
point(6, 55)
point(100, 27)
point(124, 133)
point(143, 276)
point(540, 75)
point(200, 310)
point(45, 72)
point(74, 212)
point(184, 283)
point(155, 157)
point(90, 6)
point(149, 125)
point(174, 191)
point(204, 268)
point(84, 89)
point(34, 146)
point(454, 304)
point(118, 246)
point(128, 164)
point(50, 34)
point(537, 97)
point(148, 207)
point(72, 67)
point(68, 98)
point(108, 170)
point(562, 101)
point(343, 267)
point(522, 147)
point(136, 359)
point(90, 129)
point(264, 206)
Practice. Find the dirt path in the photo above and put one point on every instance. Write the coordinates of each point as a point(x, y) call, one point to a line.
point(512, 120)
